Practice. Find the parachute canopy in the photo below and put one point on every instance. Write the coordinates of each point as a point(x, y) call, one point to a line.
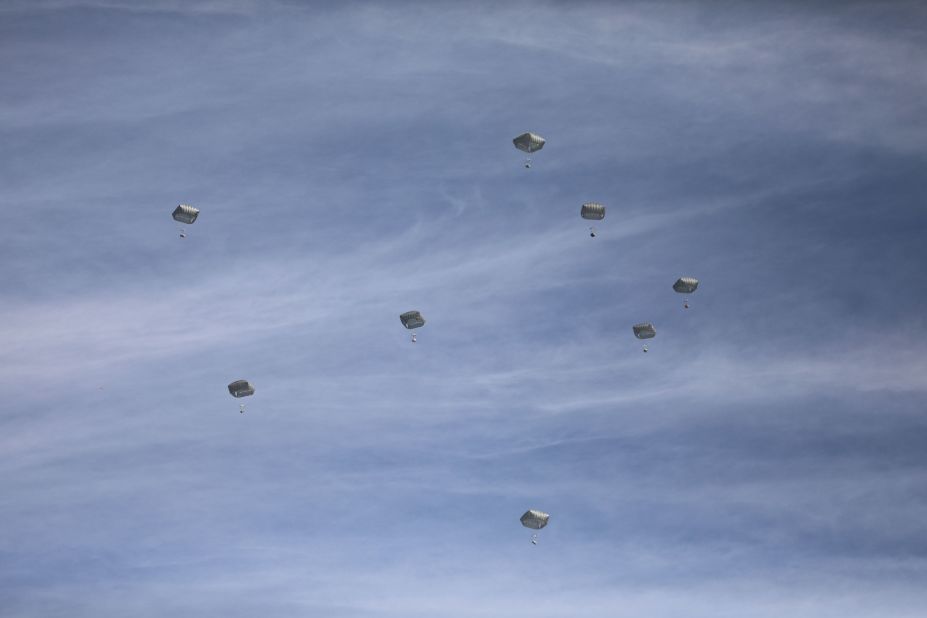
point(534, 519)
point(644, 330)
point(412, 319)
point(241, 388)
point(686, 285)
point(593, 210)
point(185, 214)
point(529, 142)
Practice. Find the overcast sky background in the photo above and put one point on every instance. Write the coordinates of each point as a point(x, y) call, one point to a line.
point(767, 457)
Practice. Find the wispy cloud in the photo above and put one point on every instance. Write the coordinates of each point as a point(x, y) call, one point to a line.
point(353, 162)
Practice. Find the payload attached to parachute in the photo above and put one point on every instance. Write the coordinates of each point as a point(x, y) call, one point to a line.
point(686, 285)
point(239, 389)
point(528, 143)
point(185, 215)
point(594, 212)
point(535, 520)
point(644, 330)
point(412, 320)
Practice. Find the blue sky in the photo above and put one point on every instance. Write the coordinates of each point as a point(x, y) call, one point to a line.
point(352, 161)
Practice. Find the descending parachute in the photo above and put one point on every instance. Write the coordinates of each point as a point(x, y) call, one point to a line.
point(535, 520)
point(185, 215)
point(239, 389)
point(644, 330)
point(412, 320)
point(529, 142)
point(686, 285)
point(593, 211)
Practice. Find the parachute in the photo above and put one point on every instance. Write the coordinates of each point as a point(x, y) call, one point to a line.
point(535, 520)
point(239, 389)
point(686, 285)
point(185, 215)
point(528, 143)
point(644, 330)
point(412, 320)
point(593, 211)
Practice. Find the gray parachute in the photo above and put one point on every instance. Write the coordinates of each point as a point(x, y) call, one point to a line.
point(644, 330)
point(412, 320)
point(528, 143)
point(184, 215)
point(239, 389)
point(535, 520)
point(593, 211)
point(685, 285)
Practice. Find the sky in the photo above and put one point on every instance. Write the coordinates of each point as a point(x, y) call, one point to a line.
point(352, 161)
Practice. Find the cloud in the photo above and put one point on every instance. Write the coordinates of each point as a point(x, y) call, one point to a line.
point(355, 162)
